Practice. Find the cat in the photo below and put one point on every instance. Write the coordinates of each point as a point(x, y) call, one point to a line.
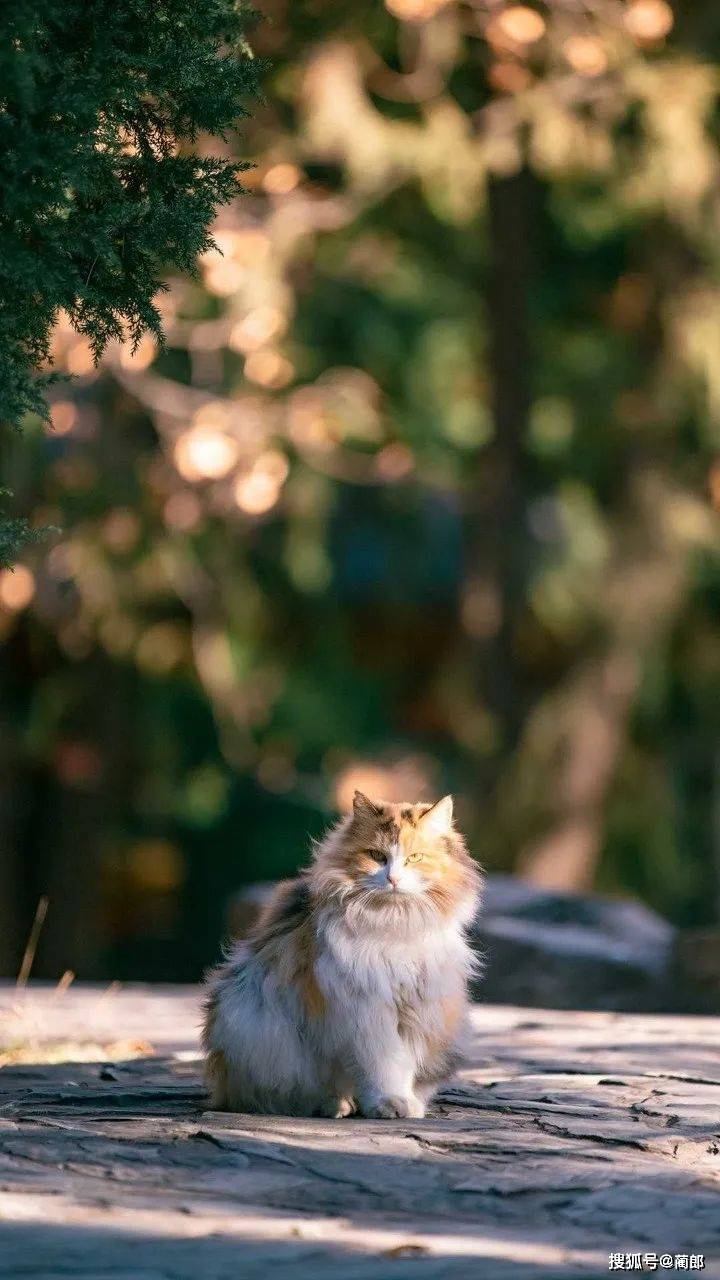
point(350, 994)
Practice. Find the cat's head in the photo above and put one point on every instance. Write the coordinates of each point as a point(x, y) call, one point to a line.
point(394, 857)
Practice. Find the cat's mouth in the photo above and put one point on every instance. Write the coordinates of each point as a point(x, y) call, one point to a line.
point(394, 892)
point(384, 893)
point(387, 893)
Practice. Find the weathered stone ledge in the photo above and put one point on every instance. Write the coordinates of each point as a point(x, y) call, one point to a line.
point(570, 1135)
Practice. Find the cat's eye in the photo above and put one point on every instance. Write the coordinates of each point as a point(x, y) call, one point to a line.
point(377, 855)
point(414, 857)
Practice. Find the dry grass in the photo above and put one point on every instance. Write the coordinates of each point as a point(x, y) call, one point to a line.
point(24, 1042)
point(48, 1051)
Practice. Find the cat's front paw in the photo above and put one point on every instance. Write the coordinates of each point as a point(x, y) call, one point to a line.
point(395, 1109)
point(337, 1108)
point(345, 1107)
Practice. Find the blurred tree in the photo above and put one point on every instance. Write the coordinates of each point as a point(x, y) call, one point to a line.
point(422, 491)
point(101, 188)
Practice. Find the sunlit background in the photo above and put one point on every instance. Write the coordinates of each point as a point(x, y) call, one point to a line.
point(420, 496)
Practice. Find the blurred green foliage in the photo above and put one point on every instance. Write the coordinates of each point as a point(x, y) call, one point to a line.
point(420, 495)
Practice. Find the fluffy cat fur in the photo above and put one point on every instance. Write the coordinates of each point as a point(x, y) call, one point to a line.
point(351, 992)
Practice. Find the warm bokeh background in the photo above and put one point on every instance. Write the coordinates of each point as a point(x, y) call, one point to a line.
point(420, 496)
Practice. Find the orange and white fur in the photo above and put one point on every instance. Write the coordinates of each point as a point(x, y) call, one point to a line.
point(350, 995)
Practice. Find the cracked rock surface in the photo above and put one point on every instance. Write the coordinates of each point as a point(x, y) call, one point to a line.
point(568, 1136)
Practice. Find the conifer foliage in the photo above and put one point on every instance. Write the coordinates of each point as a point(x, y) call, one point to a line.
point(102, 184)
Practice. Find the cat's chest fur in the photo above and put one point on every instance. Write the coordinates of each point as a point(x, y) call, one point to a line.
point(411, 970)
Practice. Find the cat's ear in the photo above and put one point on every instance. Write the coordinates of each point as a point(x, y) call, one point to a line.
point(437, 821)
point(362, 807)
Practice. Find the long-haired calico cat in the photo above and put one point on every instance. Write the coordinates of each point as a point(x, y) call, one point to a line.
point(351, 992)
